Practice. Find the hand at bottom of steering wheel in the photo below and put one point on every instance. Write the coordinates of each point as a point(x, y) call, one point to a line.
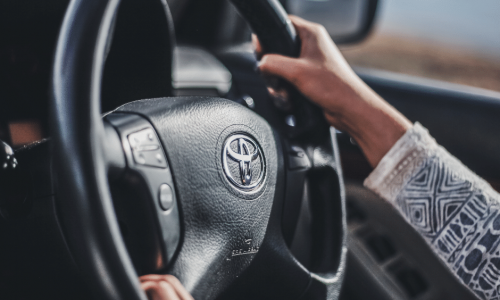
point(163, 287)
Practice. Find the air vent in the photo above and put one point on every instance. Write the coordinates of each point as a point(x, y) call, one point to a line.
point(381, 247)
point(408, 278)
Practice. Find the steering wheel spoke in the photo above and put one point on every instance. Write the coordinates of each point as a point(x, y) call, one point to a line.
point(144, 194)
point(313, 223)
point(297, 165)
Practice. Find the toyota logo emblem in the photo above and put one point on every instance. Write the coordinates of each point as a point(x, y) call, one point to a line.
point(243, 162)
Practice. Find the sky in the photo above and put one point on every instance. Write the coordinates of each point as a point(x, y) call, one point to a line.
point(472, 25)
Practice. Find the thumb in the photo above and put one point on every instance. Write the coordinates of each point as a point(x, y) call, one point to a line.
point(285, 67)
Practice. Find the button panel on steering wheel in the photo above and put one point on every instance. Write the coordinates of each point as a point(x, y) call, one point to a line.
point(146, 149)
point(148, 173)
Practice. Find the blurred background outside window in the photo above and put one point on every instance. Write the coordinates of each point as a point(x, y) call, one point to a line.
point(456, 41)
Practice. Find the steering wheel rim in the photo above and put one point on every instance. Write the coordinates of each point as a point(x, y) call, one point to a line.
point(81, 46)
point(80, 144)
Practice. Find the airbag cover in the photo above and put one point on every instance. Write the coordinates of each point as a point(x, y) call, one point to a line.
point(223, 223)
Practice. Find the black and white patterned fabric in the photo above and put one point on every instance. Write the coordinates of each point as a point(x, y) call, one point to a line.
point(455, 211)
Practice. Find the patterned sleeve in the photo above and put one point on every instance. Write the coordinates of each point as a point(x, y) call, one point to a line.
point(455, 210)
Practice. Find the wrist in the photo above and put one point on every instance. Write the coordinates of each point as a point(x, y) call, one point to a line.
point(373, 123)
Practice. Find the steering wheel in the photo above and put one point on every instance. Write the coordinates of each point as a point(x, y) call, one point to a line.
point(203, 188)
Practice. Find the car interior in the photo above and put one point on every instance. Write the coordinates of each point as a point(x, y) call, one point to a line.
point(122, 115)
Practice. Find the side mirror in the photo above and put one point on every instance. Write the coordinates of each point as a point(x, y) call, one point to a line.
point(347, 21)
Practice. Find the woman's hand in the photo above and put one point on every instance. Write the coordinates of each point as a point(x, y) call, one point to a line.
point(323, 75)
point(163, 287)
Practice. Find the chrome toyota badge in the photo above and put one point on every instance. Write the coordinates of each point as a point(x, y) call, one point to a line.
point(243, 162)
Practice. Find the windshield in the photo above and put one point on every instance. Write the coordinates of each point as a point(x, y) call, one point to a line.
point(452, 40)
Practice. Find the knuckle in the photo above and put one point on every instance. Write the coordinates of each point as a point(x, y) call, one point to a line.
point(146, 277)
point(295, 75)
point(170, 278)
point(318, 28)
point(264, 64)
point(166, 286)
point(153, 286)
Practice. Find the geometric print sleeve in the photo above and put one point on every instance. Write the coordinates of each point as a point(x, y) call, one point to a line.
point(456, 212)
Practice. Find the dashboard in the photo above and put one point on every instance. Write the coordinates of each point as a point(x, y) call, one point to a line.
point(28, 34)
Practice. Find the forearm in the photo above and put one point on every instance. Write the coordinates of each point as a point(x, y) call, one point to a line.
point(455, 211)
point(374, 124)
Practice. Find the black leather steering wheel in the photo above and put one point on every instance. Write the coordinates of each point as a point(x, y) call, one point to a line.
point(203, 188)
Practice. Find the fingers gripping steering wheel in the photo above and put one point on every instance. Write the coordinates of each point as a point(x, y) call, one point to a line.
point(203, 188)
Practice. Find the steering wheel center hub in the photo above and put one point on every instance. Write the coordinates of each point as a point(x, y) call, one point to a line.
point(243, 162)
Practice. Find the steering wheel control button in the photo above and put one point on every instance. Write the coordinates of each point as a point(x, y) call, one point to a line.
point(146, 149)
point(243, 162)
point(166, 197)
point(7, 159)
point(248, 101)
point(291, 121)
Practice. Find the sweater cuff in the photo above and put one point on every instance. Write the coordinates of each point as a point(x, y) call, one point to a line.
point(404, 159)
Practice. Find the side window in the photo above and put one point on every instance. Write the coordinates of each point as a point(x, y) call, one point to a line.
point(456, 41)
